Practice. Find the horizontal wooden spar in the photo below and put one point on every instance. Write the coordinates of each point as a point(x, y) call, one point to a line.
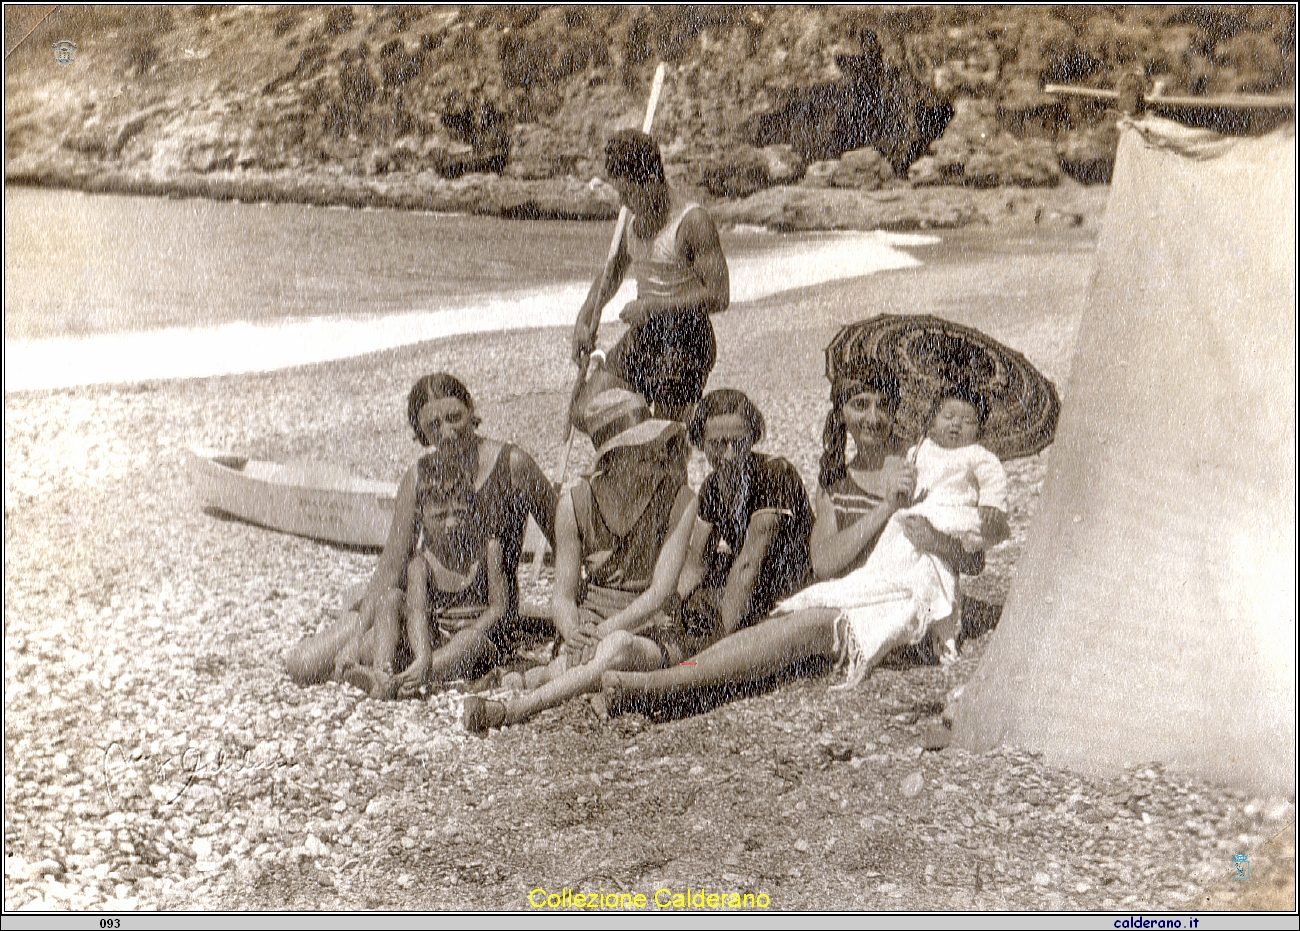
point(1221, 101)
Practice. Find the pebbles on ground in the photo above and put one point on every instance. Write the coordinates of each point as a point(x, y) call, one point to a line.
point(156, 757)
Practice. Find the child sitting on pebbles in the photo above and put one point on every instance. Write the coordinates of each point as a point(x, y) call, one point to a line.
point(446, 582)
point(903, 592)
point(454, 583)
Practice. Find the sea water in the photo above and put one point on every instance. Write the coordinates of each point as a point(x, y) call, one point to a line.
point(108, 288)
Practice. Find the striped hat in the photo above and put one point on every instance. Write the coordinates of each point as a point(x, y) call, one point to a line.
point(617, 417)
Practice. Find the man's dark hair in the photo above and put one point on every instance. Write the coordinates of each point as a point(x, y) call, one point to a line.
point(633, 155)
point(431, 388)
point(722, 402)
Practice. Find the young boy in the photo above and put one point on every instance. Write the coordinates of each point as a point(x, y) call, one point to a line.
point(454, 583)
point(749, 548)
point(673, 252)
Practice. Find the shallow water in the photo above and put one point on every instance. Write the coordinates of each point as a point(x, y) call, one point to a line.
point(108, 288)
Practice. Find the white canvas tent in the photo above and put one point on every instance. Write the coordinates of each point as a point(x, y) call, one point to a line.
point(1153, 612)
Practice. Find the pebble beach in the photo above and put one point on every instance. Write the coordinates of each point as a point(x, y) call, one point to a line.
point(157, 757)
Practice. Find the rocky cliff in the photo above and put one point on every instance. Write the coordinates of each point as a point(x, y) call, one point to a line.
point(309, 102)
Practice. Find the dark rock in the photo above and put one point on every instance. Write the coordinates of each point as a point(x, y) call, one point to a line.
point(738, 173)
point(534, 93)
point(1088, 154)
point(838, 751)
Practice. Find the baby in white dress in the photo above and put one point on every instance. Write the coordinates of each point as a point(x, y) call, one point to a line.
point(955, 479)
point(901, 594)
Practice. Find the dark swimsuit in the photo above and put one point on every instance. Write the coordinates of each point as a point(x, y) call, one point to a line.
point(496, 510)
point(616, 570)
point(669, 357)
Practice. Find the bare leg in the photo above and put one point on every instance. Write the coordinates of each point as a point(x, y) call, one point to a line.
point(463, 653)
point(387, 631)
point(419, 637)
point(355, 652)
point(943, 635)
point(538, 676)
point(312, 660)
point(620, 650)
point(315, 658)
point(367, 664)
point(746, 656)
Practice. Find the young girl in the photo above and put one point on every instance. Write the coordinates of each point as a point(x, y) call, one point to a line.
point(904, 591)
point(749, 548)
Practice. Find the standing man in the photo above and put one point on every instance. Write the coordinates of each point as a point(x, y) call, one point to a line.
point(681, 274)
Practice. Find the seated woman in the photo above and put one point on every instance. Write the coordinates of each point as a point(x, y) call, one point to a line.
point(465, 503)
point(750, 545)
point(854, 503)
point(621, 539)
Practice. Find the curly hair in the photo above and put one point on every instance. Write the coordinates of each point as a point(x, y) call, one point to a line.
point(722, 402)
point(431, 388)
point(870, 376)
point(633, 155)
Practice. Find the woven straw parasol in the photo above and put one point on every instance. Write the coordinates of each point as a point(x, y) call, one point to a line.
point(928, 353)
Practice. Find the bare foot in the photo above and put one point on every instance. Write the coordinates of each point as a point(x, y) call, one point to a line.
point(513, 681)
point(374, 683)
point(482, 715)
point(609, 699)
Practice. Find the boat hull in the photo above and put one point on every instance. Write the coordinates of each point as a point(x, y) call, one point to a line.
point(309, 499)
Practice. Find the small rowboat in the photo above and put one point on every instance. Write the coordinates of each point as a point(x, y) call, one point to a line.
point(310, 499)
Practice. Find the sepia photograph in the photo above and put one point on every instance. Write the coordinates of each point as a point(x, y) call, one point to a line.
point(692, 460)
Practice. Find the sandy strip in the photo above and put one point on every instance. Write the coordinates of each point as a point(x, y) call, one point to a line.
point(249, 347)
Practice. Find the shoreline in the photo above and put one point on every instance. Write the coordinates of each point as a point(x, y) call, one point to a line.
point(203, 347)
point(898, 207)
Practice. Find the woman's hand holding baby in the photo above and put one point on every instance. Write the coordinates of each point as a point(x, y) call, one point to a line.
point(898, 480)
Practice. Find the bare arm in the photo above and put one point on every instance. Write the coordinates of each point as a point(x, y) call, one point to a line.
point(994, 527)
point(926, 538)
point(398, 549)
point(568, 575)
point(694, 569)
point(497, 593)
point(602, 290)
point(744, 571)
point(529, 479)
point(698, 243)
point(667, 568)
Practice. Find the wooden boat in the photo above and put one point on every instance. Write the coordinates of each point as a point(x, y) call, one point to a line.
point(310, 499)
